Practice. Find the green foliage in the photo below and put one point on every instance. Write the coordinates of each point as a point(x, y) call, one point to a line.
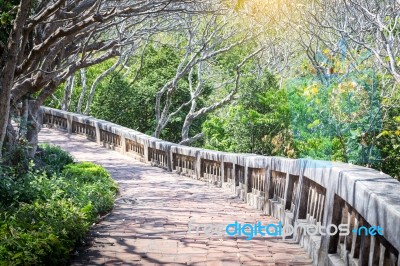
point(45, 212)
point(99, 189)
point(338, 116)
point(91, 74)
point(309, 120)
point(113, 102)
point(41, 233)
point(127, 101)
point(338, 119)
point(54, 158)
point(330, 122)
point(255, 124)
point(388, 142)
point(239, 4)
point(18, 157)
point(7, 14)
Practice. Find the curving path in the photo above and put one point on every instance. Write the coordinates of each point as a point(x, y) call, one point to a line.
point(149, 224)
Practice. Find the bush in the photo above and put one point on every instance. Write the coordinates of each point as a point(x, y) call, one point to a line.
point(45, 212)
point(97, 187)
point(54, 158)
point(41, 233)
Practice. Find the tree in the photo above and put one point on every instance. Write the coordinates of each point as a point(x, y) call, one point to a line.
point(49, 41)
point(206, 38)
point(373, 25)
point(257, 122)
point(346, 58)
point(138, 84)
point(195, 113)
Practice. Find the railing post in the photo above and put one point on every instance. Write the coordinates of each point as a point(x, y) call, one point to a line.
point(269, 193)
point(69, 124)
point(198, 166)
point(332, 215)
point(303, 197)
point(146, 151)
point(123, 144)
point(289, 191)
point(234, 178)
point(247, 181)
point(222, 171)
point(285, 194)
point(98, 132)
point(170, 158)
point(267, 187)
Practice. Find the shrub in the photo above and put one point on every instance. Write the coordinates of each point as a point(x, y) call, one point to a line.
point(86, 172)
point(97, 187)
point(47, 210)
point(40, 233)
point(53, 158)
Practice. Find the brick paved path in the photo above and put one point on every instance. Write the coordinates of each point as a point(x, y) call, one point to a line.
point(149, 224)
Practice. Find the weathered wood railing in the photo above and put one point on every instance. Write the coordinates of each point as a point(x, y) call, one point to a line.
point(297, 192)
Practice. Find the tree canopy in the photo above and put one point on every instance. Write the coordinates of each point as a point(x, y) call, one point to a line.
point(289, 78)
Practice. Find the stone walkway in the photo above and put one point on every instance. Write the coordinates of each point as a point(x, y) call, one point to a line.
point(149, 224)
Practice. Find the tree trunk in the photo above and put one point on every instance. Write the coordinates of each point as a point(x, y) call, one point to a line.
point(83, 92)
point(34, 124)
point(30, 118)
point(23, 124)
point(7, 69)
point(188, 120)
point(10, 140)
point(96, 82)
point(157, 131)
point(189, 141)
point(4, 114)
point(185, 130)
point(164, 119)
point(68, 89)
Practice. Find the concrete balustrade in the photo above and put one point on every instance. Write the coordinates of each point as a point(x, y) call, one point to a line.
point(134, 148)
point(296, 191)
point(211, 169)
point(185, 161)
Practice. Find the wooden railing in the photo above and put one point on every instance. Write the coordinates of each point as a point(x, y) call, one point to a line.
point(297, 192)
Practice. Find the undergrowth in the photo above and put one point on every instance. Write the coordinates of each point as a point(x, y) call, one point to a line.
point(47, 210)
